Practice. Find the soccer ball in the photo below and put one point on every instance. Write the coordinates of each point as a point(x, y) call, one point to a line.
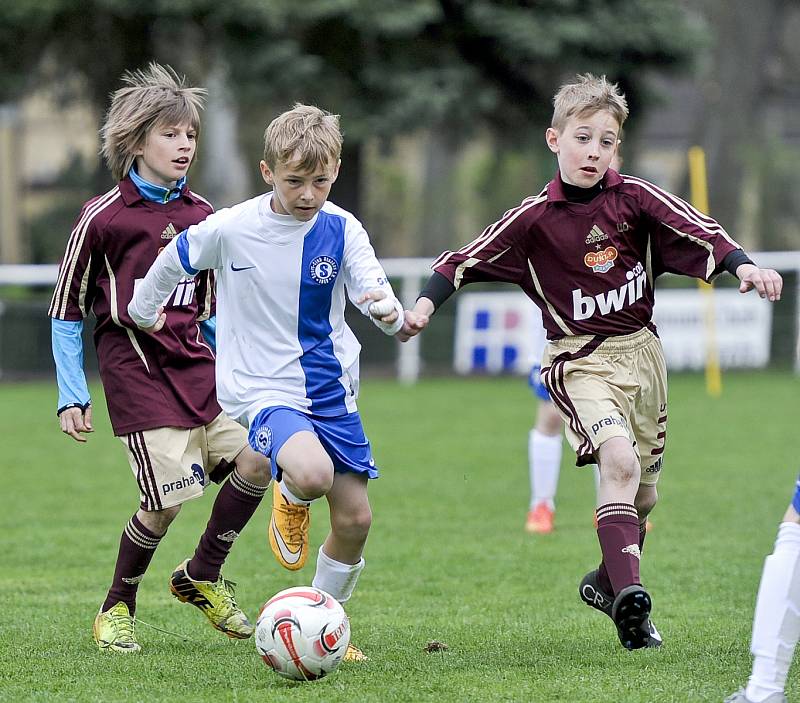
point(302, 633)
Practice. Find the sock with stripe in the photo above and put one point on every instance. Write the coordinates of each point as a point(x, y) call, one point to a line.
point(618, 533)
point(136, 548)
point(235, 504)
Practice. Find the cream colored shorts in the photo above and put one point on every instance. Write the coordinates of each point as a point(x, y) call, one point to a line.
point(172, 464)
point(611, 387)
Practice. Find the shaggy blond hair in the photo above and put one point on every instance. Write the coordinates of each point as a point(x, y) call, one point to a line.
point(151, 98)
point(304, 135)
point(586, 95)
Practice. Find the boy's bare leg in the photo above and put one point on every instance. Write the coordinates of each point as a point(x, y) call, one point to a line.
point(339, 562)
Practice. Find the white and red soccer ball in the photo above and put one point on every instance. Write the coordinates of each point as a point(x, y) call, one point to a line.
point(302, 633)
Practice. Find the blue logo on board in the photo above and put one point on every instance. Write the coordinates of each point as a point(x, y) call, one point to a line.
point(323, 269)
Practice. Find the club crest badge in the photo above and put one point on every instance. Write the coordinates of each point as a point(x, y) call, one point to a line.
point(263, 439)
point(323, 269)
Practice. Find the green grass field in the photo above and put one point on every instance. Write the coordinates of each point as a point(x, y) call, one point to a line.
point(447, 559)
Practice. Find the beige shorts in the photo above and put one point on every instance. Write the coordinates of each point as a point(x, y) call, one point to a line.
point(172, 464)
point(611, 387)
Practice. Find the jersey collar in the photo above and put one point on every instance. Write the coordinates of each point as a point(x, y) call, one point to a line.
point(555, 189)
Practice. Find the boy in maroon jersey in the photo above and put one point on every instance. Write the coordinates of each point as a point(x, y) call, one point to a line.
point(160, 389)
point(587, 250)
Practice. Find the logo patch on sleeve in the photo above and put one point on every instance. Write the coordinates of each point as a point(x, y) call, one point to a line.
point(323, 269)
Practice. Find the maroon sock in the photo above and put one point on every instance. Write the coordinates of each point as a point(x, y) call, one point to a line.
point(136, 548)
point(236, 502)
point(618, 532)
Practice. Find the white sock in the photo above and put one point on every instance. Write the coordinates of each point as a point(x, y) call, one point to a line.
point(596, 472)
point(544, 464)
point(291, 497)
point(336, 578)
point(776, 624)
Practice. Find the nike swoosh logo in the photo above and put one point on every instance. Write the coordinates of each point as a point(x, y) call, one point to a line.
point(240, 268)
point(288, 555)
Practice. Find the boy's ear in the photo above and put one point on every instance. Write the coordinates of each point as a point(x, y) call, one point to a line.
point(266, 174)
point(336, 171)
point(551, 137)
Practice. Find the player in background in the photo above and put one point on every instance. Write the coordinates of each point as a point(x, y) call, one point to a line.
point(287, 363)
point(587, 250)
point(776, 624)
point(159, 390)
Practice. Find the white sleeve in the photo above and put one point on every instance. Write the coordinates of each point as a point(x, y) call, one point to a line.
point(364, 273)
point(195, 249)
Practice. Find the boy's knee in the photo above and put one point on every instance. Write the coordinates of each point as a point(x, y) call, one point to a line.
point(253, 466)
point(311, 478)
point(620, 465)
point(646, 500)
point(354, 524)
point(158, 521)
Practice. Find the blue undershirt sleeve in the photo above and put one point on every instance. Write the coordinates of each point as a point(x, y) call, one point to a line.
point(209, 329)
point(68, 355)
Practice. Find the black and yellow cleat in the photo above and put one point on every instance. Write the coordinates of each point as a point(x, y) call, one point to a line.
point(215, 599)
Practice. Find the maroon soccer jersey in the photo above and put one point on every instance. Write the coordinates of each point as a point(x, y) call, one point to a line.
point(591, 267)
point(161, 380)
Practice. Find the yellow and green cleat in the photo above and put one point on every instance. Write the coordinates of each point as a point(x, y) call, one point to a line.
point(354, 654)
point(215, 599)
point(113, 630)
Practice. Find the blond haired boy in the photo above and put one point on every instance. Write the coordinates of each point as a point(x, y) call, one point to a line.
point(159, 389)
point(287, 363)
point(587, 250)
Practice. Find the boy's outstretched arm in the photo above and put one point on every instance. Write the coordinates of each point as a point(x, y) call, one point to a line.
point(767, 282)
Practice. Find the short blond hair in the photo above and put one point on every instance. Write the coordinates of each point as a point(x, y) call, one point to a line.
point(151, 98)
point(586, 95)
point(305, 135)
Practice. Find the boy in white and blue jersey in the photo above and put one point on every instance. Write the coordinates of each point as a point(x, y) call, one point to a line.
point(287, 363)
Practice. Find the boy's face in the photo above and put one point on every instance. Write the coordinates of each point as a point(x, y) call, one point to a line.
point(167, 153)
point(585, 147)
point(299, 193)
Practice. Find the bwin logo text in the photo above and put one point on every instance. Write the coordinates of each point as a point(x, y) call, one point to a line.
point(585, 306)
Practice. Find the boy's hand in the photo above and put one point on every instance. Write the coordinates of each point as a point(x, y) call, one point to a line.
point(382, 308)
point(413, 324)
point(162, 318)
point(74, 421)
point(767, 282)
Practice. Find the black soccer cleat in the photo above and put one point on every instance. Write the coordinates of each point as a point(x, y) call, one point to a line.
point(594, 596)
point(631, 615)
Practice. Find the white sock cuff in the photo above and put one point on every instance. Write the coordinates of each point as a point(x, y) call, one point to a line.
point(550, 440)
point(336, 578)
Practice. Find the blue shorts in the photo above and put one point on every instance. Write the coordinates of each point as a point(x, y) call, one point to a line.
point(796, 497)
point(342, 437)
point(535, 382)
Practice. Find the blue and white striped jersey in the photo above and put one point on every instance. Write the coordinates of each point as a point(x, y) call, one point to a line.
point(281, 285)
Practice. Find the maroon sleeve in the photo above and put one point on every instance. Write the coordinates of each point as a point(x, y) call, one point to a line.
point(74, 290)
point(685, 241)
point(496, 255)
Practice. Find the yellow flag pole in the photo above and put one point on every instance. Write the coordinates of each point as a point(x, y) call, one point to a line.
point(699, 190)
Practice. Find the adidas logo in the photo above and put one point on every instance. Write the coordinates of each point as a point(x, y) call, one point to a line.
point(633, 550)
point(595, 235)
point(133, 580)
point(228, 536)
point(169, 232)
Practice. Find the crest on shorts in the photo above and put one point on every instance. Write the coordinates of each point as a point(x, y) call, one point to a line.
point(323, 269)
point(263, 437)
point(601, 261)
